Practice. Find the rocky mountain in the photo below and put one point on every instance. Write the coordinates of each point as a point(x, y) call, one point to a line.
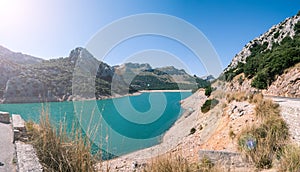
point(275, 35)
point(18, 58)
point(11, 64)
point(269, 62)
point(144, 77)
point(82, 76)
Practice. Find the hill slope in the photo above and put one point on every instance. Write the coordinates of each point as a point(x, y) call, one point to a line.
point(265, 59)
point(29, 79)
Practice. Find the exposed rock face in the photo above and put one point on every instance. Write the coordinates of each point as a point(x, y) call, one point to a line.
point(20, 89)
point(275, 35)
point(239, 84)
point(51, 80)
point(11, 64)
point(287, 85)
point(80, 76)
point(18, 58)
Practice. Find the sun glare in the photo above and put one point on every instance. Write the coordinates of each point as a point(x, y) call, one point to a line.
point(6, 7)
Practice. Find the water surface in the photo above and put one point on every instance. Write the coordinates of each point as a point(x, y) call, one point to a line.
point(117, 126)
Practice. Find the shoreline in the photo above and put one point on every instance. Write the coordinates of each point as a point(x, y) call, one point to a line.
point(171, 139)
point(89, 99)
point(159, 91)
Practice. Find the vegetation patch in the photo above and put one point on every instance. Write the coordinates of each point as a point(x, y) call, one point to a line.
point(192, 131)
point(57, 151)
point(264, 143)
point(290, 158)
point(209, 104)
point(263, 65)
point(179, 164)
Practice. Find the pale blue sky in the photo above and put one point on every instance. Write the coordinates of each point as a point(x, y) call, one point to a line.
point(50, 29)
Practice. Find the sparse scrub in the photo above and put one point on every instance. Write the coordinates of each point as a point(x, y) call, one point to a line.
point(169, 164)
point(232, 135)
point(179, 164)
point(219, 94)
point(237, 96)
point(209, 104)
point(256, 98)
point(206, 165)
point(290, 159)
point(264, 142)
point(57, 151)
point(266, 109)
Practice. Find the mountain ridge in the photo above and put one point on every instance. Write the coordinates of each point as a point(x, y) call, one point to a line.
point(52, 80)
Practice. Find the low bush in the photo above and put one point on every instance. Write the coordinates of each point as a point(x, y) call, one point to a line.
point(209, 104)
point(192, 131)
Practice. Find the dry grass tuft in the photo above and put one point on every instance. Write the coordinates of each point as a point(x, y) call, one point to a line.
point(219, 94)
point(290, 159)
point(263, 143)
point(237, 96)
point(169, 163)
point(255, 98)
point(57, 151)
point(266, 109)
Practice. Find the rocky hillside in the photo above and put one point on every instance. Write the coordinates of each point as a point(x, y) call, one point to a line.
point(275, 35)
point(18, 58)
point(269, 61)
point(144, 77)
point(29, 79)
point(11, 64)
point(287, 84)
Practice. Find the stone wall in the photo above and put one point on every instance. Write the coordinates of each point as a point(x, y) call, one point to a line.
point(27, 159)
point(4, 117)
point(230, 160)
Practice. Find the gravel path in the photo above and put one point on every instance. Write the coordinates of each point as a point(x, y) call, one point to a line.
point(290, 111)
point(7, 148)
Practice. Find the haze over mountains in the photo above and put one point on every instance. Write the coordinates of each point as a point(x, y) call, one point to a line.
point(30, 79)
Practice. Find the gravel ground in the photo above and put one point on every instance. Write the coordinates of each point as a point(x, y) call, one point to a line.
point(7, 148)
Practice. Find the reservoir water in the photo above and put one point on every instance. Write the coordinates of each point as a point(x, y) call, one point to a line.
point(117, 126)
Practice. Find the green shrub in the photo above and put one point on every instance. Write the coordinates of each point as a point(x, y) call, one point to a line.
point(209, 104)
point(276, 35)
point(264, 65)
point(192, 131)
point(208, 91)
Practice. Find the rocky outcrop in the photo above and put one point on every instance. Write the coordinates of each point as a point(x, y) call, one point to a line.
point(287, 84)
point(275, 35)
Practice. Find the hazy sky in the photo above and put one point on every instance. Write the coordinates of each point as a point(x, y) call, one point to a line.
point(50, 29)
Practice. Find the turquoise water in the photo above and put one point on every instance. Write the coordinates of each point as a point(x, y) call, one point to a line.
point(117, 126)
